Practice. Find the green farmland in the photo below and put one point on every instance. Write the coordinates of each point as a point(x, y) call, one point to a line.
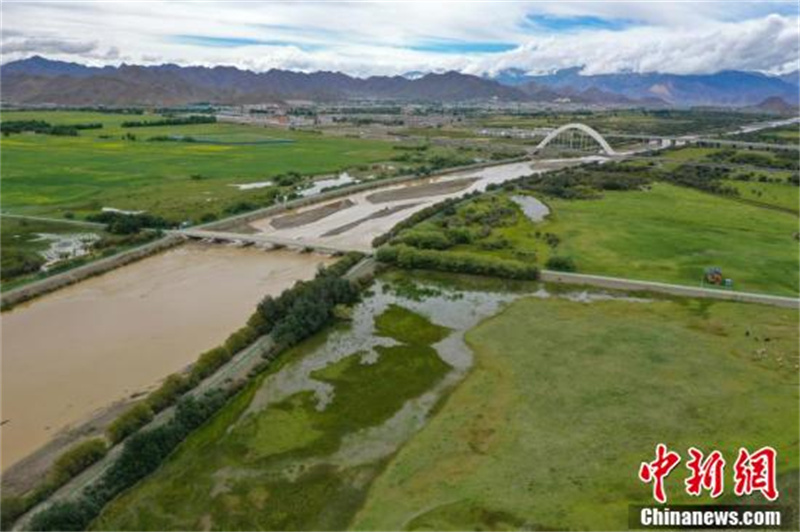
point(545, 431)
point(52, 175)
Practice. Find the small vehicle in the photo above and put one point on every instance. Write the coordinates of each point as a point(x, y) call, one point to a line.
point(713, 275)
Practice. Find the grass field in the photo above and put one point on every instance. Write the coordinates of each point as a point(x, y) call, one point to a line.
point(547, 429)
point(567, 399)
point(52, 175)
point(672, 234)
point(668, 233)
point(783, 195)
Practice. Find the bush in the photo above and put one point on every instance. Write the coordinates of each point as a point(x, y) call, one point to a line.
point(65, 516)
point(129, 422)
point(208, 363)
point(125, 224)
point(11, 508)
point(77, 458)
point(16, 263)
point(425, 239)
point(170, 390)
point(561, 264)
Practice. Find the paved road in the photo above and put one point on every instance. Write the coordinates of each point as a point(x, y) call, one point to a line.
point(618, 283)
point(54, 220)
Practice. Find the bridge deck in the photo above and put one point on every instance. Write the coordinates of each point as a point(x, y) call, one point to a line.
point(264, 239)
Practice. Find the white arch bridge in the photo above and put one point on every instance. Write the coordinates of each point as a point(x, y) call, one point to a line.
point(583, 128)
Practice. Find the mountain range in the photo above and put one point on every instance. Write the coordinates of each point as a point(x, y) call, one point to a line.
point(726, 88)
point(37, 80)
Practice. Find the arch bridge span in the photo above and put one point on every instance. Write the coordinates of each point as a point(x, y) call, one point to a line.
point(582, 128)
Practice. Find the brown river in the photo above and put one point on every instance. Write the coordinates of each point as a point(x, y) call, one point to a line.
point(67, 355)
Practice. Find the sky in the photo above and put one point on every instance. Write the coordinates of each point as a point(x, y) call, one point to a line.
point(396, 37)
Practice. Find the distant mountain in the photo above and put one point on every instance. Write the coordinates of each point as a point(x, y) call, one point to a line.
point(791, 77)
point(726, 88)
point(414, 74)
point(512, 77)
point(42, 81)
point(776, 105)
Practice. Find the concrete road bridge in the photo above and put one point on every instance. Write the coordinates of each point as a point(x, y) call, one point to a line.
point(261, 240)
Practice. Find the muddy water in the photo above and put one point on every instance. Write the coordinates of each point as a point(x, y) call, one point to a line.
point(68, 354)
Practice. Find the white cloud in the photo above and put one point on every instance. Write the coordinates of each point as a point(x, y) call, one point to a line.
point(385, 38)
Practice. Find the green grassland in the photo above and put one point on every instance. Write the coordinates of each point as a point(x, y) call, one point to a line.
point(267, 470)
point(567, 399)
point(665, 233)
point(783, 195)
point(672, 234)
point(52, 175)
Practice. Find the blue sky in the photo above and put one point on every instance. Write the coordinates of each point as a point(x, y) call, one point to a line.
point(400, 36)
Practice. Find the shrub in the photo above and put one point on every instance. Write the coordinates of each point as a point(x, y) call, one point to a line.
point(241, 339)
point(562, 264)
point(129, 422)
point(170, 390)
point(15, 263)
point(425, 239)
point(78, 458)
point(208, 363)
point(11, 508)
point(65, 516)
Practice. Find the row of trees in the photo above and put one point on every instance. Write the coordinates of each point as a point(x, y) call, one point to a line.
point(120, 223)
point(69, 464)
point(142, 454)
point(182, 121)
point(705, 178)
point(9, 127)
point(407, 257)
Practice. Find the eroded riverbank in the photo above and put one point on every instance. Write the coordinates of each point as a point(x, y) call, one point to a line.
point(72, 353)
